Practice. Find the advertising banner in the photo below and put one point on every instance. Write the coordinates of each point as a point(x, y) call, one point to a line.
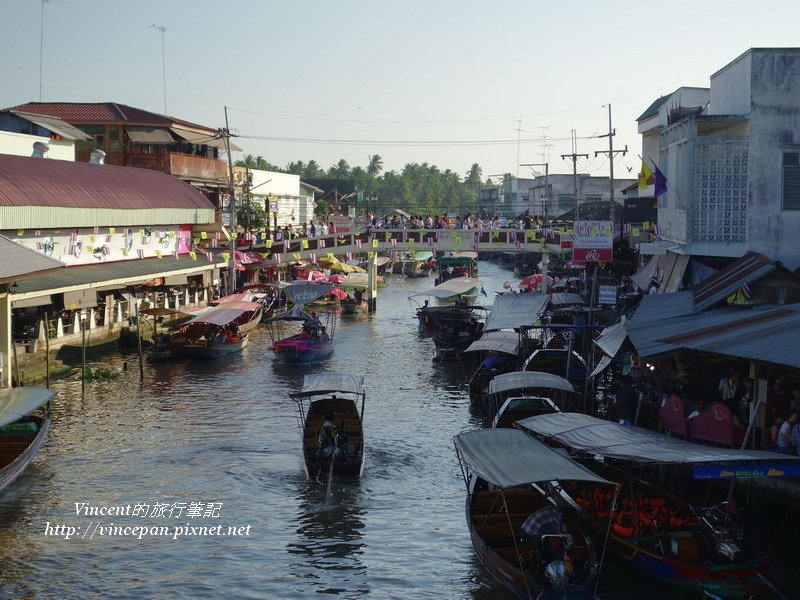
point(593, 241)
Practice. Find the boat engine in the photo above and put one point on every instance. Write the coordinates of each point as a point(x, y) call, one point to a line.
point(557, 575)
point(723, 524)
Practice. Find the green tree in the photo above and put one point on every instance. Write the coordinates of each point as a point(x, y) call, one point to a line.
point(258, 217)
point(375, 165)
point(340, 170)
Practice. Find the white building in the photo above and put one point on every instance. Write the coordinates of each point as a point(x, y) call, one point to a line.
point(20, 131)
point(733, 164)
point(554, 195)
point(288, 200)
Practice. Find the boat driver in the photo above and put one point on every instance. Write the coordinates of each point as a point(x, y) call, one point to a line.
point(546, 521)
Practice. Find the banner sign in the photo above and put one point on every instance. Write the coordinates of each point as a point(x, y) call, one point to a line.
point(741, 471)
point(593, 241)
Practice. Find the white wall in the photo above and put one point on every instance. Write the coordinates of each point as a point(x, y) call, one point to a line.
point(272, 182)
point(21, 144)
point(730, 88)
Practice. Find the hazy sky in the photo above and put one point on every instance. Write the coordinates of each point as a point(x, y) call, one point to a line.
point(388, 72)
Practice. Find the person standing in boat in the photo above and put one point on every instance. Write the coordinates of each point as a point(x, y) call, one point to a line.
point(326, 439)
point(547, 521)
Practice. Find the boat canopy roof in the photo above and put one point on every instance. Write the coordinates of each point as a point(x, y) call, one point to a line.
point(511, 311)
point(504, 342)
point(421, 255)
point(518, 380)
point(451, 287)
point(382, 260)
point(510, 457)
point(604, 438)
point(15, 403)
point(225, 313)
point(565, 298)
point(454, 261)
point(303, 292)
point(315, 384)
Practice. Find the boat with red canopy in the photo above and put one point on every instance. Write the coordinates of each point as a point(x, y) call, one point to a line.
point(217, 331)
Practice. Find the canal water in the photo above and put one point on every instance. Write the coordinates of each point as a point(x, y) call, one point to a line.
point(218, 444)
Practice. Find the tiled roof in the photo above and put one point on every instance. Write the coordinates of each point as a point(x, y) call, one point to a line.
point(26, 181)
point(102, 112)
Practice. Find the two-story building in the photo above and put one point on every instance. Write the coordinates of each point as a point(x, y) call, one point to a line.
point(732, 162)
point(133, 137)
point(286, 199)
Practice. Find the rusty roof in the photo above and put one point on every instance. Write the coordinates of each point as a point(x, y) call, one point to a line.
point(26, 181)
point(102, 112)
point(723, 283)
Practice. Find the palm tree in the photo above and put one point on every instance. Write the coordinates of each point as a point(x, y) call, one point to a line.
point(474, 175)
point(375, 165)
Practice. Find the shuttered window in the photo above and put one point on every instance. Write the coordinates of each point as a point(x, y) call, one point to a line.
point(791, 181)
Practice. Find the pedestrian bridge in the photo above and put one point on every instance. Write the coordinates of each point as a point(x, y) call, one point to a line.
point(410, 240)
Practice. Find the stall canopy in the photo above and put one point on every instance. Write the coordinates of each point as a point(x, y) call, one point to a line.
point(528, 379)
point(604, 438)
point(504, 342)
point(331, 383)
point(15, 403)
point(509, 457)
point(451, 287)
point(609, 341)
point(565, 298)
point(512, 311)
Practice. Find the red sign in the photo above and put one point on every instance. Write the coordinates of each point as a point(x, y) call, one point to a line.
point(593, 254)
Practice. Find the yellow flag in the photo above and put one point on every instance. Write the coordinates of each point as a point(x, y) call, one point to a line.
point(370, 254)
point(204, 235)
point(375, 243)
point(268, 243)
point(635, 231)
point(296, 255)
point(193, 255)
point(124, 252)
point(331, 257)
point(172, 235)
point(645, 174)
point(112, 230)
point(20, 233)
point(226, 256)
point(195, 241)
point(304, 244)
point(141, 233)
point(158, 253)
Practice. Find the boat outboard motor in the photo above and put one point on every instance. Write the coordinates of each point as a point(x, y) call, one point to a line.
point(724, 526)
point(557, 575)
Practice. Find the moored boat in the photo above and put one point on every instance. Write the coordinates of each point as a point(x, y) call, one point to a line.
point(330, 411)
point(506, 473)
point(700, 547)
point(216, 332)
point(22, 434)
point(521, 394)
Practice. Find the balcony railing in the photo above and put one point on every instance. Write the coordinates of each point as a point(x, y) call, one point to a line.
point(185, 166)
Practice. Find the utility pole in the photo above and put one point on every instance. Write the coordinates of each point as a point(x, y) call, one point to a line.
point(163, 30)
point(611, 152)
point(575, 156)
point(226, 133)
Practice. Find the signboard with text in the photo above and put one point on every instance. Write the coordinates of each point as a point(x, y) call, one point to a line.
point(607, 294)
point(593, 241)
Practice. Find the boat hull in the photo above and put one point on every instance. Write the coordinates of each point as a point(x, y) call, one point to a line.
point(350, 465)
point(298, 351)
point(214, 351)
point(20, 450)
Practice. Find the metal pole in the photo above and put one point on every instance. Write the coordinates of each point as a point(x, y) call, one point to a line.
point(611, 168)
point(47, 351)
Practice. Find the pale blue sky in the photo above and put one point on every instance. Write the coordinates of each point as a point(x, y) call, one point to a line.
point(378, 70)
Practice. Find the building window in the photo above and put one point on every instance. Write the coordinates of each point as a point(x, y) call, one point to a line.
point(791, 181)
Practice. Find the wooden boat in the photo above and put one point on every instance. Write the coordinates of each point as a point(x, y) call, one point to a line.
point(505, 472)
point(216, 332)
point(312, 344)
point(336, 395)
point(521, 394)
point(21, 433)
point(458, 266)
point(702, 548)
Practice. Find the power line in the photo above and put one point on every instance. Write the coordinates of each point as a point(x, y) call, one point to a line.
point(424, 122)
point(348, 142)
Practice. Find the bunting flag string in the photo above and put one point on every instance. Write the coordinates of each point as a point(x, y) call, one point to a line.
point(175, 254)
point(304, 244)
point(313, 257)
point(158, 253)
point(394, 243)
point(296, 255)
point(193, 255)
point(349, 255)
point(278, 258)
point(358, 244)
point(321, 244)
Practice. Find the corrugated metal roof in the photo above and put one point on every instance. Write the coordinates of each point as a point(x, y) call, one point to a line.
point(54, 125)
point(19, 262)
point(723, 283)
point(90, 275)
point(102, 112)
point(26, 181)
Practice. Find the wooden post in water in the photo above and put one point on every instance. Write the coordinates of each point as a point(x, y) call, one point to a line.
point(83, 351)
point(16, 362)
point(139, 341)
point(372, 281)
point(47, 351)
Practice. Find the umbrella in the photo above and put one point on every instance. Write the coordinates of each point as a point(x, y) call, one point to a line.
point(338, 293)
point(337, 278)
point(311, 276)
point(532, 281)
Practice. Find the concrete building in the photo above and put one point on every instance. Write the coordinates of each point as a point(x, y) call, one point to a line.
point(554, 195)
point(19, 132)
point(733, 165)
point(286, 199)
